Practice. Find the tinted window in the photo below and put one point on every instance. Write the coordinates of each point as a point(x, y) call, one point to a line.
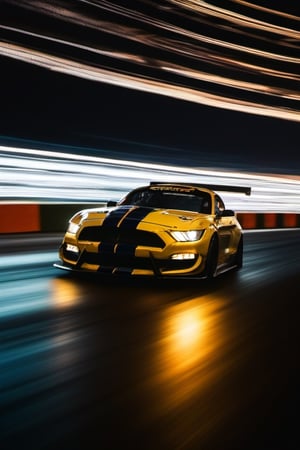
point(165, 199)
point(219, 205)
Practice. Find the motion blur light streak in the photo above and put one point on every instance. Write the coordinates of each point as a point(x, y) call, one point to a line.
point(194, 51)
point(45, 176)
point(11, 261)
point(22, 299)
point(179, 92)
point(273, 11)
point(215, 11)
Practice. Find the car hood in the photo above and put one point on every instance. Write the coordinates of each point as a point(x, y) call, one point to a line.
point(132, 216)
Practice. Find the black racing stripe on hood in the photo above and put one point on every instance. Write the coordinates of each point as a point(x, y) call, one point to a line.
point(126, 249)
point(132, 219)
point(110, 252)
point(114, 217)
point(106, 247)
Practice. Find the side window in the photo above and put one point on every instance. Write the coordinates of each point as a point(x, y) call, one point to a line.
point(206, 205)
point(219, 205)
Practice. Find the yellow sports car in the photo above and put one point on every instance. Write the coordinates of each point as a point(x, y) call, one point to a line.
point(160, 230)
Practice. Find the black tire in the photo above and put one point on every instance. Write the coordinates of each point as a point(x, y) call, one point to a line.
point(212, 258)
point(239, 254)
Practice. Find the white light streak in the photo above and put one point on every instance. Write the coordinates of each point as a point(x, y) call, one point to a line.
point(30, 175)
point(187, 51)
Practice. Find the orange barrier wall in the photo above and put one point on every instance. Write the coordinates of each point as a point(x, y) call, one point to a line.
point(269, 220)
point(20, 218)
point(290, 220)
point(248, 221)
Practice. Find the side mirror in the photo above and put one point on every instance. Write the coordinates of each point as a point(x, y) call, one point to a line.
point(227, 213)
point(111, 203)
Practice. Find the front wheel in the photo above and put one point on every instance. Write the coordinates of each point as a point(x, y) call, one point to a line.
point(212, 258)
point(239, 255)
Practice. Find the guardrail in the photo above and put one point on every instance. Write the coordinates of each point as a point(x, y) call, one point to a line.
point(22, 218)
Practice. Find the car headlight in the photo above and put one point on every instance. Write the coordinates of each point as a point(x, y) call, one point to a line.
point(187, 236)
point(73, 228)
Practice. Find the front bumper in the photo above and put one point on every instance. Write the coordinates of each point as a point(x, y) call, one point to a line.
point(142, 262)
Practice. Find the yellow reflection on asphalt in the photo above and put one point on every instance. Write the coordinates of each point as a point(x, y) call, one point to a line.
point(65, 293)
point(192, 337)
point(186, 330)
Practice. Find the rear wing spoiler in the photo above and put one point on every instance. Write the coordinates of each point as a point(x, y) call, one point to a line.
point(213, 187)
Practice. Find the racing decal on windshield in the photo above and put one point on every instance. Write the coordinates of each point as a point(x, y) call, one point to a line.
point(173, 189)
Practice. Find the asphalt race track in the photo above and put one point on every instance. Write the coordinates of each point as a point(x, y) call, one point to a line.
point(107, 364)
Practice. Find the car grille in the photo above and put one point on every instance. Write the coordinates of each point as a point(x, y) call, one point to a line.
point(110, 260)
point(118, 236)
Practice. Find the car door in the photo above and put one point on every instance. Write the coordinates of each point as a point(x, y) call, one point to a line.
point(225, 225)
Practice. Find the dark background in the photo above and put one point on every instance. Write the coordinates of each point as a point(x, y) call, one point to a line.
point(45, 106)
point(42, 105)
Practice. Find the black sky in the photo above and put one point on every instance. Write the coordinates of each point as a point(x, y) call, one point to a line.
point(43, 105)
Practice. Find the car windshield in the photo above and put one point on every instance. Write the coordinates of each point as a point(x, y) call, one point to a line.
point(169, 199)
